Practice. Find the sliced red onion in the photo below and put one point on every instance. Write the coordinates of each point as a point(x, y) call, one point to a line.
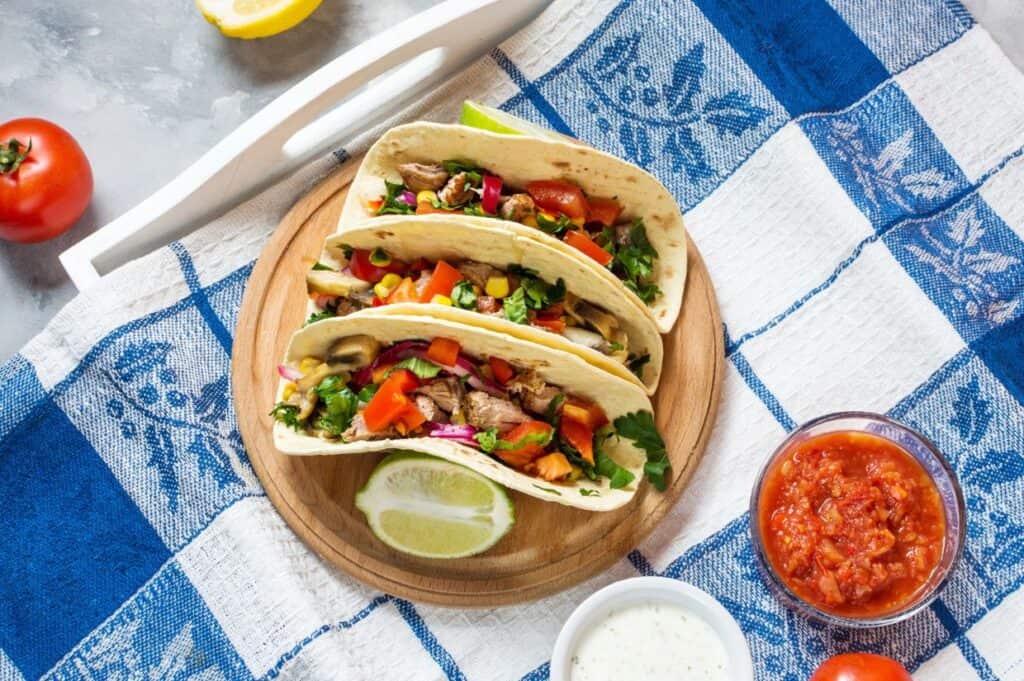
point(390, 356)
point(409, 198)
point(465, 367)
point(288, 373)
point(453, 432)
point(491, 194)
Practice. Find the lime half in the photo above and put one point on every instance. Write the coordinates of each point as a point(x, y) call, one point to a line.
point(434, 508)
point(477, 115)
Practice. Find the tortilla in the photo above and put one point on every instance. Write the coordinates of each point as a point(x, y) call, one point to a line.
point(558, 368)
point(441, 237)
point(519, 159)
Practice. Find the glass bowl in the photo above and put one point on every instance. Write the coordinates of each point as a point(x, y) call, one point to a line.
point(933, 463)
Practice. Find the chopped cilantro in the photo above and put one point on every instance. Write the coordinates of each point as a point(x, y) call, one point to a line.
point(391, 204)
point(647, 292)
point(338, 405)
point(539, 295)
point(584, 492)
point(317, 266)
point(556, 227)
point(287, 414)
point(487, 439)
point(463, 295)
point(639, 427)
point(615, 346)
point(477, 209)
point(633, 262)
point(515, 307)
point(548, 490)
point(317, 316)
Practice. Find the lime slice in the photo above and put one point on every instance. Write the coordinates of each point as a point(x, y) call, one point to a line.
point(255, 18)
point(477, 115)
point(434, 508)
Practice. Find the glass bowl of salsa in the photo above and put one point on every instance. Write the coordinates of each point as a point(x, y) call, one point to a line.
point(857, 520)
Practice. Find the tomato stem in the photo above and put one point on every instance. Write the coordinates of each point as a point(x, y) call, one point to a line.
point(12, 156)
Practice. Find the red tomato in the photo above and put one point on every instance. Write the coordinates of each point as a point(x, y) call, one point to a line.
point(51, 186)
point(605, 211)
point(579, 240)
point(556, 197)
point(860, 667)
point(363, 269)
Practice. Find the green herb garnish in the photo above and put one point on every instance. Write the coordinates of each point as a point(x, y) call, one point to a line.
point(490, 442)
point(287, 414)
point(463, 295)
point(318, 266)
point(368, 391)
point(639, 427)
point(584, 492)
point(317, 316)
point(636, 363)
point(556, 227)
point(338, 405)
point(391, 204)
point(515, 307)
point(421, 367)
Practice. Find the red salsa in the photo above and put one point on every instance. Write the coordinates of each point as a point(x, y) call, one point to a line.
point(851, 523)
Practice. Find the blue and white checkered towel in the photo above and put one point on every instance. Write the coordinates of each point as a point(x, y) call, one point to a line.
point(851, 171)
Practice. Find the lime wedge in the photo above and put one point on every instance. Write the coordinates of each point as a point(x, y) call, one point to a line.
point(434, 508)
point(477, 115)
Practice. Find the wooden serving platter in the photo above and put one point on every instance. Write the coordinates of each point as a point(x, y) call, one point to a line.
point(551, 547)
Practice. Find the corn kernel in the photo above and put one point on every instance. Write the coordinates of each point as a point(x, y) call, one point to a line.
point(288, 391)
point(426, 196)
point(438, 299)
point(391, 280)
point(308, 364)
point(497, 287)
point(579, 222)
point(530, 221)
point(548, 216)
point(381, 291)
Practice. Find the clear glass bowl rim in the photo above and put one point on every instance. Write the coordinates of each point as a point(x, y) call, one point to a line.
point(788, 597)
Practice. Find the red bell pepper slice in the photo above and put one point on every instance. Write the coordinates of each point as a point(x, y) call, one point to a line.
point(441, 283)
point(579, 240)
point(444, 351)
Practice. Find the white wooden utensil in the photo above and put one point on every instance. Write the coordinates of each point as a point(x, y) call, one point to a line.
point(316, 115)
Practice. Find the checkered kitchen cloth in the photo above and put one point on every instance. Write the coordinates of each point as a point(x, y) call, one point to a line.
point(852, 171)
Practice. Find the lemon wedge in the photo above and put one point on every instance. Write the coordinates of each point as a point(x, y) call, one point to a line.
point(255, 18)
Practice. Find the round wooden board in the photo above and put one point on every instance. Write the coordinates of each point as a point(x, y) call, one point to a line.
point(551, 547)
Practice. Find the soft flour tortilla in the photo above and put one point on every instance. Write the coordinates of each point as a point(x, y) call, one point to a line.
point(439, 237)
point(558, 368)
point(519, 159)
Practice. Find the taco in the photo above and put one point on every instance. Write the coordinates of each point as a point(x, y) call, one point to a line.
point(486, 276)
point(532, 418)
point(601, 210)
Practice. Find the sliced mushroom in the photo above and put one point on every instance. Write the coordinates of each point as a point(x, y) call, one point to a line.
point(353, 352)
point(331, 283)
point(311, 380)
point(592, 316)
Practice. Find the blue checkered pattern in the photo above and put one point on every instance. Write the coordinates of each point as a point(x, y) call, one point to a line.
point(851, 172)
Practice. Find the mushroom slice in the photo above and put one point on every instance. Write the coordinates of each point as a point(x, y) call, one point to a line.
point(592, 316)
point(353, 352)
point(331, 283)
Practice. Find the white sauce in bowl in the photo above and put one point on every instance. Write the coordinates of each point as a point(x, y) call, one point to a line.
point(650, 640)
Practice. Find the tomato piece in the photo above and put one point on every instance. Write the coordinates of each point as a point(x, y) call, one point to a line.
point(580, 437)
point(404, 293)
point(556, 196)
point(579, 240)
point(502, 370)
point(556, 325)
point(605, 211)
point(411, 418)
point(444, 351)
point(441, 283)
point(373, 205)
point(43, 189)
point(860, 667)
point(581, 411)
point(363, 269)
point(531, 435)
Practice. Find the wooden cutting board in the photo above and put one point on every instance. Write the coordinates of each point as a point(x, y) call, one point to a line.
point(551, 547)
